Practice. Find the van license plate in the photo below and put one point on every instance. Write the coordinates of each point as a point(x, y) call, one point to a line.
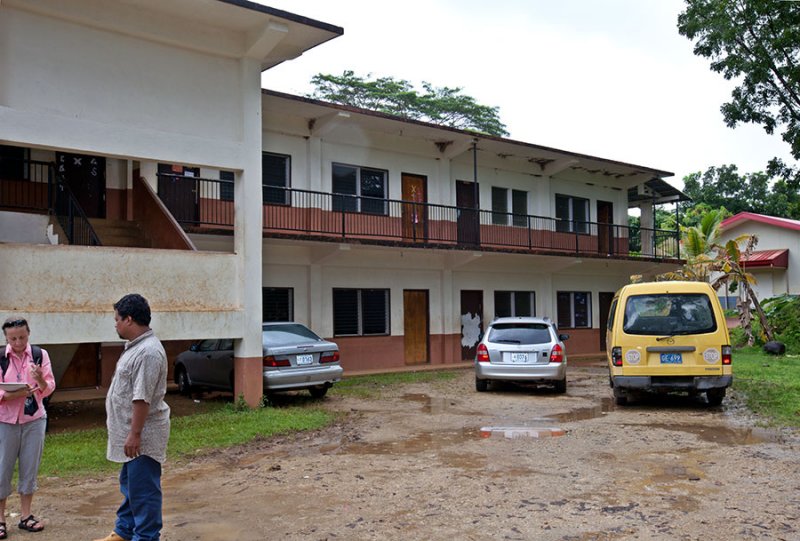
point(305, 359)
point(671, 358)
point(519, 357)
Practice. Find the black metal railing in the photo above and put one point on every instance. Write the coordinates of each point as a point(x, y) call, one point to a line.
point(26, 184)
point(35, 185)
point(71, 217)
point(208, 203)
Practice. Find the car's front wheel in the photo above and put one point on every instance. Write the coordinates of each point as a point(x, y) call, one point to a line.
point(481, 385)
point(182, 379)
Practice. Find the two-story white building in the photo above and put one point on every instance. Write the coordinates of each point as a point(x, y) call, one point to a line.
point(139, 153)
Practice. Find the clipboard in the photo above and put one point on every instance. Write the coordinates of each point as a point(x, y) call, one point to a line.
point(12, 386)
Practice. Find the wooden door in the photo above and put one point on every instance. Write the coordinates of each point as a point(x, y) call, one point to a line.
point(471, 323)
point(605, 299)
point(605, 228)
point(467, 198)
point(86, 177)
point(415, 214)
point(416, 328)
point(83, 370)
point(180, 193)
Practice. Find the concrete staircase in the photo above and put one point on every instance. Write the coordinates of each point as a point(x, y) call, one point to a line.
point(120, 233)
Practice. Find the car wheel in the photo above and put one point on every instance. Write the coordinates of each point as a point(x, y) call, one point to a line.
point(561, 386)
point(481, 385)
point(182, 379)
point(715, 396)
point(620, 398)
point(319, 391)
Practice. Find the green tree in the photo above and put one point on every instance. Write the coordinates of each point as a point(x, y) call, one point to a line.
point(757, 44)
point(445, 106)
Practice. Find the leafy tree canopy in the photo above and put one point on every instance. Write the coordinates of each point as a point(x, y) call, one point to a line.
point(757, 44)
point(724, 187)
point(443, 105)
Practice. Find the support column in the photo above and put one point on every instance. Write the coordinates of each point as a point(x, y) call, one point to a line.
point(315, 299)
point(647, 223)
point(247, 241)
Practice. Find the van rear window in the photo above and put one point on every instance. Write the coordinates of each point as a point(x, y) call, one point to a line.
point(669, 314)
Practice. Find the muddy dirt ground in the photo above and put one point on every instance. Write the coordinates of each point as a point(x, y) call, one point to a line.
point(416, 465)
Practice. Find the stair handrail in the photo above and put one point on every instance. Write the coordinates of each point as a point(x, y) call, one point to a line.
point(68, 212)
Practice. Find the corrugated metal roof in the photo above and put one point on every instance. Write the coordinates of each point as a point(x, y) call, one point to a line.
point(767, 258)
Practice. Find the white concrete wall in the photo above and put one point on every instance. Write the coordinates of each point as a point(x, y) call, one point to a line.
point(772, 237)
point(70, 86)
point(200, 294)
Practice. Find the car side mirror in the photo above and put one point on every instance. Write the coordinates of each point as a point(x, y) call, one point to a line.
point(563, 337)
point(193, 347)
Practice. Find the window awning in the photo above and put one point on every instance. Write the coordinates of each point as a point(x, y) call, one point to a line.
point(778, 259)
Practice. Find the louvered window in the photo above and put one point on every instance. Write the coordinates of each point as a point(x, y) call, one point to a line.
point(360, 312)
point(278, 304)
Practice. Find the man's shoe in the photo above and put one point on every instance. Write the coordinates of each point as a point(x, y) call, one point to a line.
point(113, 536)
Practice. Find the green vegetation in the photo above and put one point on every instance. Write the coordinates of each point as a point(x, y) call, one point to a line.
point(771, 385)
point(84, 452)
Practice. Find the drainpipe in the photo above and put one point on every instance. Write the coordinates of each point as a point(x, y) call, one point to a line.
point(678, 227)
point(475, 170)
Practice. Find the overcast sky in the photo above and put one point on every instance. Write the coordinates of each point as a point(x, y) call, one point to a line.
point(609, 78)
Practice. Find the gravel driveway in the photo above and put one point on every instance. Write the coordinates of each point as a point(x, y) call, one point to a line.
point(416, 464)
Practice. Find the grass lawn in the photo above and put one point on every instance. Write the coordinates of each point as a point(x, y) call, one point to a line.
point(771, 385)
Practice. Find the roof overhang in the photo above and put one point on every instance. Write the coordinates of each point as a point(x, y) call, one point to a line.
point(228, 28)
point(776, 259)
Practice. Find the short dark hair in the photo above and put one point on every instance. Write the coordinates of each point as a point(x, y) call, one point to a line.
point(135, 306)
point(14, 321)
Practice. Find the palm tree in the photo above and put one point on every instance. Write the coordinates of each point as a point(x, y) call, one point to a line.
point(709, 261)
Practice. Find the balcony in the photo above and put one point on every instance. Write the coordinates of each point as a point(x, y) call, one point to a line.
point(206, 206)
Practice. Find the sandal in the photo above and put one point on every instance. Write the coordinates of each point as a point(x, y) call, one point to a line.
point(3, 532)
point(30, 524)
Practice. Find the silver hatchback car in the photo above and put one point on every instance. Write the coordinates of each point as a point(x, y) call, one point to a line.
point(294, 358)
point(522, 349)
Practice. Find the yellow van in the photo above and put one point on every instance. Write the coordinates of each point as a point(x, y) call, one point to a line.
point(665, 337)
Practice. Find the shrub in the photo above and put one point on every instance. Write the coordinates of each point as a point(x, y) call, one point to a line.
point(783, 314)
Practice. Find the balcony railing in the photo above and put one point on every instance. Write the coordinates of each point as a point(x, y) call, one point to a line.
point(202, 204)
point(35, 185)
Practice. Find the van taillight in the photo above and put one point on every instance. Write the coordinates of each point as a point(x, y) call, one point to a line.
point(329, 357)
point(727, 355)
point(616, 356)
point(271, 362)
point(557, 355)
point(483, 354)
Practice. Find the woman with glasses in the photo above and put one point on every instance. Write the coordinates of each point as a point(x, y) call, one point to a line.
point(27, 378)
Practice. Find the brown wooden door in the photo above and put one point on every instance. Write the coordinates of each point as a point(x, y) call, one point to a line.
point(86, 177)
point(83, 370)
point(416, 328)
point(415, 215)
point(605, 299)
point(467, 198)
point(178, 189)
point(471, 323)
point(605, 229)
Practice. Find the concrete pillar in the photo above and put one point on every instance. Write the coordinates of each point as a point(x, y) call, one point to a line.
point(647, 222)
point(450, 323)
point(247, 241)
point(315, 298)
point(314, 172)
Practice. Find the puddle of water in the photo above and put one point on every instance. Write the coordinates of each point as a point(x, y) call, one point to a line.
point(434, 405)
point(582, 414)
point(418, 443)
point(725, 434)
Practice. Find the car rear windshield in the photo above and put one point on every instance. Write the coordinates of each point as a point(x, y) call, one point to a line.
point(286, 335)
point(520, 333)
point(669, 314)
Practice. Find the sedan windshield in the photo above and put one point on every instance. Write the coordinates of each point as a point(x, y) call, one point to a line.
point(287, 335)
point(520, 333)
